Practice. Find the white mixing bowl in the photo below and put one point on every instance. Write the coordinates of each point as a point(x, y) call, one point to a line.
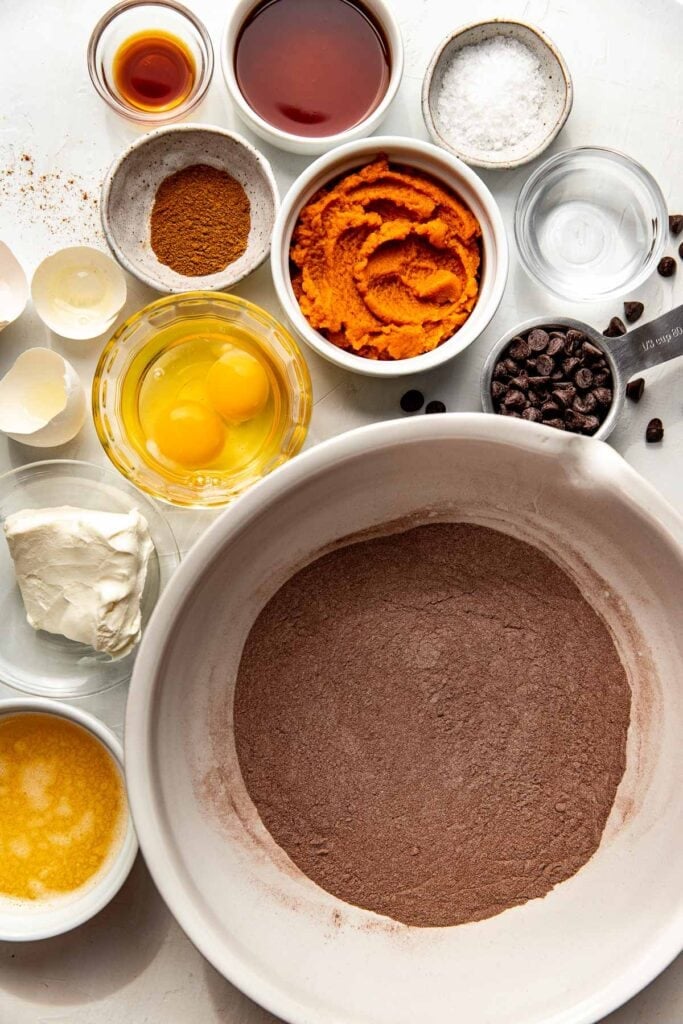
point(569, 958)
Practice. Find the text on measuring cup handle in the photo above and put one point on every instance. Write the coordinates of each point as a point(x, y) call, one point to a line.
point(661, 339)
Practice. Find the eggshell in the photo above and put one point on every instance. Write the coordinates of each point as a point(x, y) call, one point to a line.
point(13, 287)
point(34, 371)
point(50, 292)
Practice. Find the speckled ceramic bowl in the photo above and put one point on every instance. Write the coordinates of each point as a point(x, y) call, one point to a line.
point(131, 184)
point(553, 114)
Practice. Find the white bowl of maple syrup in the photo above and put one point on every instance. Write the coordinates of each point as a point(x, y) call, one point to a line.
point(347, 59)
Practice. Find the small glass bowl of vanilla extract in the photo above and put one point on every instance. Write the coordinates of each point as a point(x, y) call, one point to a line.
point(151, 61)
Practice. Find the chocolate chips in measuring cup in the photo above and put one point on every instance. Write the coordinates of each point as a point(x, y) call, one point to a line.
point(553, 376)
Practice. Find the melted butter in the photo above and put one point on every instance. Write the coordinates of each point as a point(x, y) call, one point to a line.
point(62, 805)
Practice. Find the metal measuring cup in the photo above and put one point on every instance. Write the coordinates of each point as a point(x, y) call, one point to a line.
point(640, 348)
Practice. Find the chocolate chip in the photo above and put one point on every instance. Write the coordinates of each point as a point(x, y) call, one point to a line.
point(603, 396)
point(556, 344)
point(519, 349)
point(583, 378)
point(570, 364)
point(564, 394)
point(512, 367)
point(538, 383)
point(574, 420)
point(514, 399)
point(615, 328)
point(585, 404)
point(550, 409)
point(635, 388)
point(531, 414)
point(500, 371)
point(574, 338)
point(590, 424)
point(558, 424)
point(680, 250)
point(498, 389)
point(521, 382)
point(545, 365)
point(601, 377)
point(675, 223)
point(667, 266)
point(435, 406)
point(654, 431)
point(412, 401)
point(591, 352)
point(538, 340)
point(633, 311)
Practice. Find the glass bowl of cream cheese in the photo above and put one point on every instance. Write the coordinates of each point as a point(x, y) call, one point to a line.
point(84, 557)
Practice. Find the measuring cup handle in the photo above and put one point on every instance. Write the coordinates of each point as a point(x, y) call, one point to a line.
point(650, 344)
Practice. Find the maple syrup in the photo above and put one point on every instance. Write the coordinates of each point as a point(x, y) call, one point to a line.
point(154, 71)
point(312, 67)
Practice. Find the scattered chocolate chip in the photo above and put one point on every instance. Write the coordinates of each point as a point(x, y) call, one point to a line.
point(615, 328)
point(498, 389)
point(545, 365)
point(654, 431)
point(435, 406)
point(680, 250)
point(532, 414)
point(666, 266)
point(538, 340)
point(635, 388)
point(675, 223)
point(633, 311)
point(412, 401)
point(603, 396)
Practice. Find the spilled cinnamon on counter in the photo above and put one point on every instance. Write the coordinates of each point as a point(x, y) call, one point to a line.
point(200, 221)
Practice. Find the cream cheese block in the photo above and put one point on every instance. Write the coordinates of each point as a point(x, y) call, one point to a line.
point(82, 573)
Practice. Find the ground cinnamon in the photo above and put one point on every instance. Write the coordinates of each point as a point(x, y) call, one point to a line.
point(200, 221)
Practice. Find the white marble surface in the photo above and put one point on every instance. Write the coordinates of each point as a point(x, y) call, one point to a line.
point(132, 963)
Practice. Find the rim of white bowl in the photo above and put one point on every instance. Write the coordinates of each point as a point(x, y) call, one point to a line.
point(145, 807)
point(495, 252)
point(310, 144)
point(496, 165)
point(224, 278)
point(101, 891)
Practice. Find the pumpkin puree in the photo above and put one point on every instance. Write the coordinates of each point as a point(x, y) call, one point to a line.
point(386, 262)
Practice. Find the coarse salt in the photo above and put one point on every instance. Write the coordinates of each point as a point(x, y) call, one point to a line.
point(491, 95)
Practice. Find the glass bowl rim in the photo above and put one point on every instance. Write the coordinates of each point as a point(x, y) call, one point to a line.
point(100, 378)
point(612, 156)
point(150, 117)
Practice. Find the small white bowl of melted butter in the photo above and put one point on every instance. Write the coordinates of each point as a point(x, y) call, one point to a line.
point(66, 837)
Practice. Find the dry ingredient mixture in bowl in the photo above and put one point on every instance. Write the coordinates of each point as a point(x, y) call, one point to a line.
point(434, 726)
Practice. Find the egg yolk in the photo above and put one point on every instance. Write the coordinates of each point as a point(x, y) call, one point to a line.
point(237, 386)
point(189, 433)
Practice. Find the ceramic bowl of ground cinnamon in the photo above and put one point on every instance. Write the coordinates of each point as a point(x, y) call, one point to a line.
point(190, 207)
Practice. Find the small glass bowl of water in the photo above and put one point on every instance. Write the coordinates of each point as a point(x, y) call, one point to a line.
point(590, 224)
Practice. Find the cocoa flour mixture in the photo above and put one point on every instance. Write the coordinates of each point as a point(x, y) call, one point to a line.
point(433, 724)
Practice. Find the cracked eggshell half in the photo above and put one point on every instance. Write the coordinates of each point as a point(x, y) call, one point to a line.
point(42, 401)
point(13, 287)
